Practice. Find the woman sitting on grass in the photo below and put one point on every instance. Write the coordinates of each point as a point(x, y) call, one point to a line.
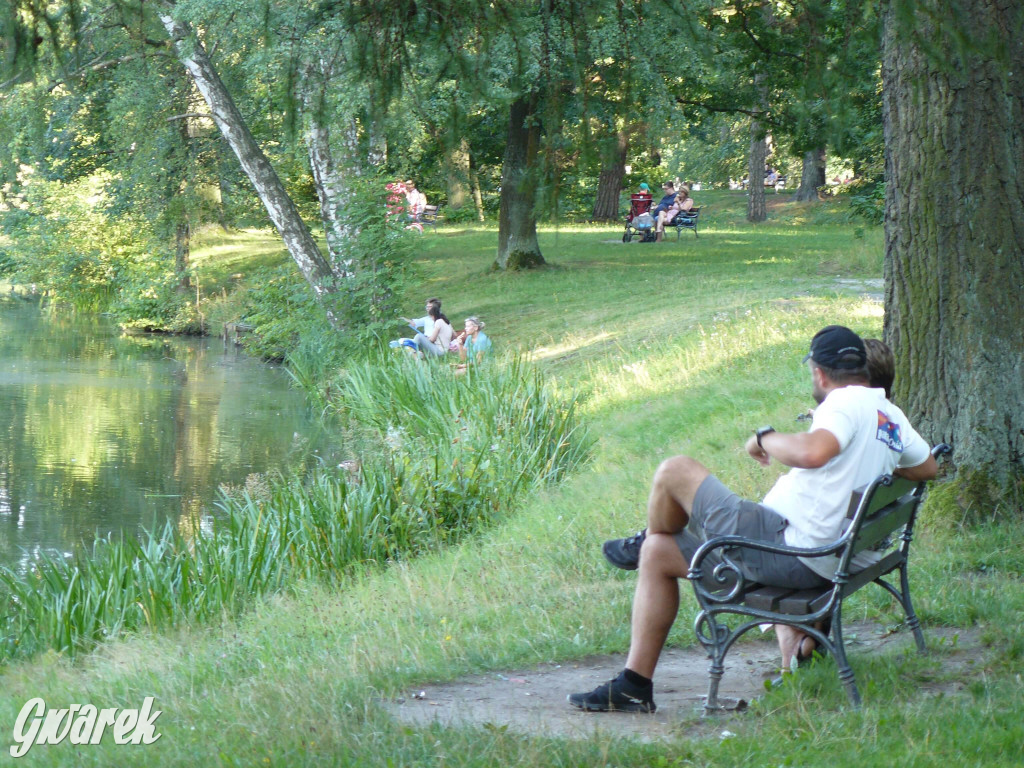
point(472, 343)
point(436, 343)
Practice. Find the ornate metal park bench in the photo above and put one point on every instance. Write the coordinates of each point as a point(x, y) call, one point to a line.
point(877, 513)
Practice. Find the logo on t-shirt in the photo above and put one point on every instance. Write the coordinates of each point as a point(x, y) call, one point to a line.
point(889, 433)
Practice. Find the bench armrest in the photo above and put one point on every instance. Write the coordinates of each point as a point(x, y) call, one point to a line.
point(728, 572)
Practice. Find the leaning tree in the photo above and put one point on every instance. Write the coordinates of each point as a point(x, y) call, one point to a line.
point(953, 76)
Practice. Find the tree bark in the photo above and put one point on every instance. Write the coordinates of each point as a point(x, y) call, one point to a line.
point(182, 252)
point(954, 225)
point(609, 183)
point(329, 179)
point(756, 210)
point(812, 177)
point(283, 213)
point(517, 222)
point(457, 167)
point(478, 197)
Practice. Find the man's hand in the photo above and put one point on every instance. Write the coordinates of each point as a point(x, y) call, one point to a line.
point(757, 452)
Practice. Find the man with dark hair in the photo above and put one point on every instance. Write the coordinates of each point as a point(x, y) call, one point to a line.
point(856, 435)
point(669, 188)
point(881, 365)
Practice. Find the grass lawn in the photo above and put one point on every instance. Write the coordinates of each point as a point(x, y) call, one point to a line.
point(680, 347)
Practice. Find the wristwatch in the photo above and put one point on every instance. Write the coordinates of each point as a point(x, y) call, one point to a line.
point(761, 433)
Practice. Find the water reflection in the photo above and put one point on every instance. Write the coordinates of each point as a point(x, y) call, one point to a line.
point(106, 432)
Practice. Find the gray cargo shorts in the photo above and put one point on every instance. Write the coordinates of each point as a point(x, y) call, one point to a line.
point(717, 511)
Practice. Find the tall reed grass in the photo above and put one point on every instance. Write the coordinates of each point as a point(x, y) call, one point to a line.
point(454, 454)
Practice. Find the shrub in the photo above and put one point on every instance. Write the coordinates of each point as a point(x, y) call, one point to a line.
point(868, 202)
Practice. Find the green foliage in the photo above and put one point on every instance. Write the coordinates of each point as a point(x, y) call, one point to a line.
point(281, 308)
point(86, 257)
point(378, 267)
point(463, 215)
point(867, 201)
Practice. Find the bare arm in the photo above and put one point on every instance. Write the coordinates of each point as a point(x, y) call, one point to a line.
point(924, 471)
point(804, 450)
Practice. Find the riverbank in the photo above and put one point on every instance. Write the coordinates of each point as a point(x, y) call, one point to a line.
point(676, 348)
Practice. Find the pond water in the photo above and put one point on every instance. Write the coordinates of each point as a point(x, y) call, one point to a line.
point(108, 432)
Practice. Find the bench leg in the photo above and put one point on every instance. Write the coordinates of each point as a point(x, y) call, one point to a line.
point(845, 671)
point(908, 608)
point(715, 673)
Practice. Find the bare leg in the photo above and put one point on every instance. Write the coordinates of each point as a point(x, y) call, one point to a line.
point(793, 643)
point(656, 601)
point(675, 484)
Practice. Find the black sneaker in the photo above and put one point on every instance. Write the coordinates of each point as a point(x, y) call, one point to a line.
point(624, 553)
point(615, 696)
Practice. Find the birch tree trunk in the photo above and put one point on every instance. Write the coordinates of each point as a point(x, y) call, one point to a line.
point(517, 222)
point(328, 176)
point(954, 228)
point(283, 213)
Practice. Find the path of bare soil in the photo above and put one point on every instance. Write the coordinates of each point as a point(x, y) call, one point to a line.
point(532, 701)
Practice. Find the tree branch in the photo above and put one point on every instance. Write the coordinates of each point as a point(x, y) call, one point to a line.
point(188, 115)
point(758, 114)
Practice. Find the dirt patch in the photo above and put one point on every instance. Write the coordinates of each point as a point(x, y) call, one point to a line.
point(532, 701)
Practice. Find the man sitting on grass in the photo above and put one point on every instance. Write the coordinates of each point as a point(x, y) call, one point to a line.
point(855, 436)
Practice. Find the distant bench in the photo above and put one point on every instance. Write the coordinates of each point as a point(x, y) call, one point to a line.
point(877, 511)
point(685, 220)
point(429, 216)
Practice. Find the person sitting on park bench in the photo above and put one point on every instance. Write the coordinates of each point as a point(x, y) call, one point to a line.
point(682, 202)
point(669, 188)
point(855, 436)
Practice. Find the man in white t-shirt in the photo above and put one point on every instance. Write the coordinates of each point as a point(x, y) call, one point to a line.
point(416, 200)
point(855, 436)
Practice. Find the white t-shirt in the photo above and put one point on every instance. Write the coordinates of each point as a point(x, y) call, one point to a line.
point(426, 323)
point(417, 201)
point(874, 437)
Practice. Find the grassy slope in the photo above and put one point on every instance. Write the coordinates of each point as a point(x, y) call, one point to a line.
point(680, 348)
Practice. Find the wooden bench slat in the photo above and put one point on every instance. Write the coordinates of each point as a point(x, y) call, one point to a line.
point(876, 530)
point(766, 598)
point(803, 601)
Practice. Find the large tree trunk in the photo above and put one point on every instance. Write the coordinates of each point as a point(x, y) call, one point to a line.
point(609, 183)
point(457, 167)
point(812, 177)
point(954, 228)
point(296, 236)
point(517, 221)
point(756, 210)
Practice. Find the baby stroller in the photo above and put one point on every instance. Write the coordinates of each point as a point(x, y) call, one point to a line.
point(639, 222)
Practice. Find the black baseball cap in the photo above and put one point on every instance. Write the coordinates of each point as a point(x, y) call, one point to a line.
point(836, 346)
